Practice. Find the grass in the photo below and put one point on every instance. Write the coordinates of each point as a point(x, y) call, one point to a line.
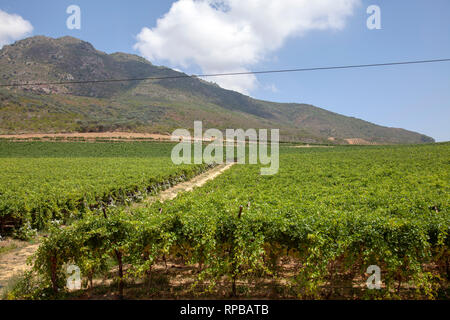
point(7, 247)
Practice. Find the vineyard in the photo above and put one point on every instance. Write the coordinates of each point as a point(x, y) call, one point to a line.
point(44, 182)
point(329, 213)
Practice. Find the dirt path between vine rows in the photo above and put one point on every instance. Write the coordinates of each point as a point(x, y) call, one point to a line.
point(186, 186)
point(197, 181)
point(14, 262)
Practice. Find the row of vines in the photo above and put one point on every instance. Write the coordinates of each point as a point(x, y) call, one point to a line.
point(41, 182)
point(335, 211)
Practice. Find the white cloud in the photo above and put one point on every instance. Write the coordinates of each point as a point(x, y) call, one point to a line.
point(241, 83)
point(271, 87)
point(232, 35)
point(13, 27)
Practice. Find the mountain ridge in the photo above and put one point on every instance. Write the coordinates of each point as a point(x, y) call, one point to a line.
point(156, 106)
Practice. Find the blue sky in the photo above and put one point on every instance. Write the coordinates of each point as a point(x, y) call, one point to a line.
point(415, 97)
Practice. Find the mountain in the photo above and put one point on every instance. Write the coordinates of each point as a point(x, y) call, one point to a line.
point(155, 106)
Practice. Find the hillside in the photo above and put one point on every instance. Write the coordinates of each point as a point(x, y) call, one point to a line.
point(156, 106)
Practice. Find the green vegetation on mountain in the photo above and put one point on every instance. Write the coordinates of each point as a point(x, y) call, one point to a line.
point(157, 106)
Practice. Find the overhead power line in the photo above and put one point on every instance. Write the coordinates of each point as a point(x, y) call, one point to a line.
point(226, 74)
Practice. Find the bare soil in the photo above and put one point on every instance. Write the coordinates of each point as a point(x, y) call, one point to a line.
point(359, 141)
point(314, 146)
point(173, 279)
point(14, 261)
point(89, 135)
point(127, 136)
